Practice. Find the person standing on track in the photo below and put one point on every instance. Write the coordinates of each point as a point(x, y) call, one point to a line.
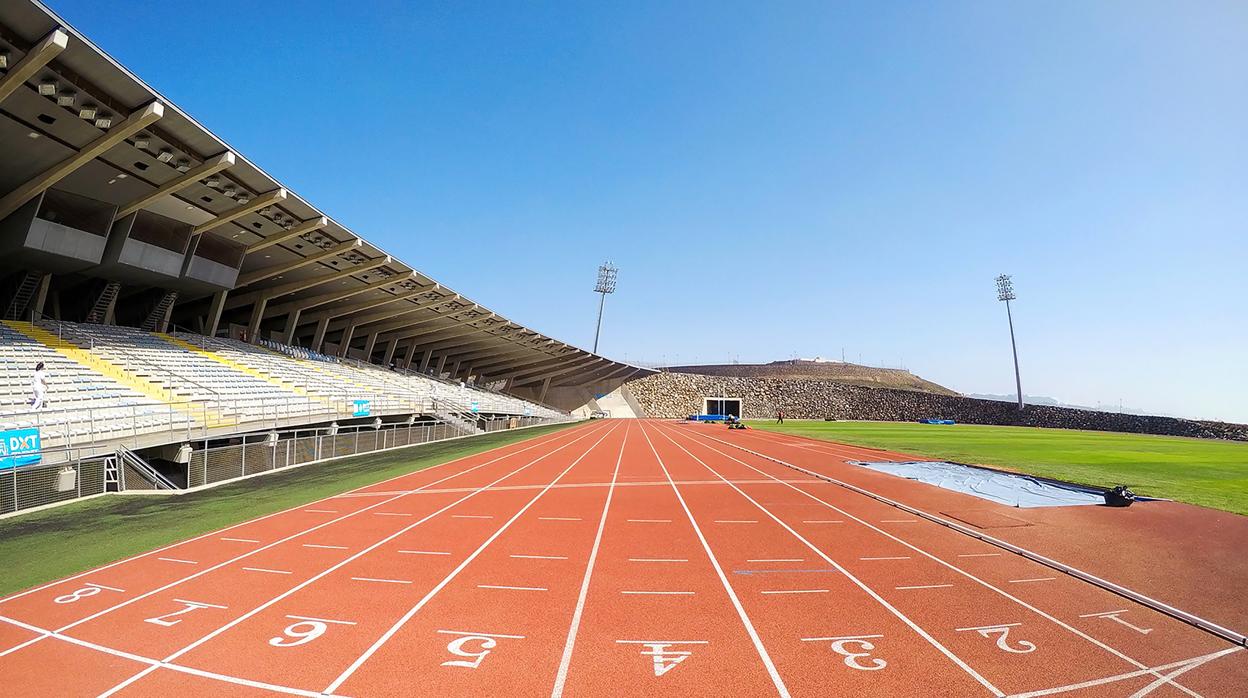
point(39, 386)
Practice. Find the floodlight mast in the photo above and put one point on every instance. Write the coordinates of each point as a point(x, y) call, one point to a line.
point(606, 284)
point(1005, 292)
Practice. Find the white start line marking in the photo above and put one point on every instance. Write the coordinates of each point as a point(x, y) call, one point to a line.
point(539, 557)
point(649, 520)
point(471, 516)
point(1036, 579)
point(559, 518)
point(262, 569)
point(796, 591)
point(181, 562)
point(325, 547)
point(823, 521)
point(510, 588)
point(1114, 616)
point(734, 521)
point(658, 593)
point(778, 559)
point(390, 513)
point(424, 552)
point(980, 555)
point(657, 559)
point(321, 511)
point(383, 581)
point(895, 557)
point(925, 586)
point(239, 540)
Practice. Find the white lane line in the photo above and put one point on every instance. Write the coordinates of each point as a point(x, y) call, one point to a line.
point(471, 516)
point(391, 513)
point(1102, 613)
point(472, 634)
point(730, 521)
point(325, 547)
point(178, 560)
point(857, 582)
point(899, 520)
point(321, 511)
point(796, 591)
point(894, 557)
point(723, 578)
point(383, 581)
point(539, 557)
point(510, 588)
point(322, 620)
point(657, 593)
point(657, 559)
point(199, 603)
point(1185, 664)
point(1035, 579)
point(823, 521)
point(102, 586)
point(263, 569)
point(293, 509)
point(979, 555)
point(537, 443)
point(662, 642)
point(411, 612)
point(239, 540)
point(842, 637)
point(925, 586)
point(1047, 616)
point(559, 518)
point(424, 552)
point(649, 520)
point(988, 627)
point(778, 559)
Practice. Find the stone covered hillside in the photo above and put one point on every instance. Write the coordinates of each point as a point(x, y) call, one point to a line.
point(854, 374)
point(681, 394)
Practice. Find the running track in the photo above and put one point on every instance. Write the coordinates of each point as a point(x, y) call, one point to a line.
point(613, 558)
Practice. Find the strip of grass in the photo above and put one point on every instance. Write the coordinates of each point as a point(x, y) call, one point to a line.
point(58, 542)
point(1198, 471)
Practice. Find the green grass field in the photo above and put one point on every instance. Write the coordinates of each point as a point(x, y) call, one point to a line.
point(1198, 471)
point(54, 543)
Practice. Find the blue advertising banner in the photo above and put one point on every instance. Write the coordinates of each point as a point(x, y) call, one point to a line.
point(362, 408)
point(476, 407)
point(19, 447)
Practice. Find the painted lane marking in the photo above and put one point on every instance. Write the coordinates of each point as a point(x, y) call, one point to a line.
point(1114, 616)
point(539, 557)
point(87, 590)
point(411, 612)
point(187, 607)
point(815, 549)
point(926, 586)
point(649, 520)
point(383, 581)
point(321, 620)
point(818, 570)
point(1002, 633)
point(177, 560)
point(842, 637)
point(471, 516)
point(823, 521)
point(470, 634)
point(796, 591)
point(657, 559)
point(558, 518)
point(321, 511)
point(391, 513)
point(851, 659)
point(239, 540)
point(894, 557)
point(663, 658)
point(1193, 663)
point(778, 559)
point(262, 569)
point(461, 647)
point(763, 655)
point(899, 520)
point(658, 593)
point(166, 662)
point(510, 588)
point(325, 547)
point(1035, 579)
point(980, 555)
point(424, 552)
point(731, 521)
point(1047, 616)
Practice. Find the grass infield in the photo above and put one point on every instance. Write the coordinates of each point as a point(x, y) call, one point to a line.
point(46, 545)
point(1197, 471)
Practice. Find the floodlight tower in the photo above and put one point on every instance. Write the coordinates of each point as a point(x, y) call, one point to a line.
point(1005, 292)
point(606, 284)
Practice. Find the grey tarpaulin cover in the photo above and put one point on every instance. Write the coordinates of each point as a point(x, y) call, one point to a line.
point(1005, 488)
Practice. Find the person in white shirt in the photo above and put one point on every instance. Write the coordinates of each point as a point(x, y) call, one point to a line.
point(39, 385)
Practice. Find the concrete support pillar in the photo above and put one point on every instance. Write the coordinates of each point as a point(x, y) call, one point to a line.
point(455, 367)
point(345, 345)
point(441, 364)
point(511, 381)
point(41, 296)
point(257, 314)
point(369, 345)
point(541, 397)
point(292, 322)
point(390, 347)
point(411, 354)
point(424, 361)
point(214, 313)
point(318, 338)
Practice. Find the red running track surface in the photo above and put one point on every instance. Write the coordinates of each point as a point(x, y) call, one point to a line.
point(613, 558)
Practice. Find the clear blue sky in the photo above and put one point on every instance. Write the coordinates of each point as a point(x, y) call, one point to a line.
point(849, 174)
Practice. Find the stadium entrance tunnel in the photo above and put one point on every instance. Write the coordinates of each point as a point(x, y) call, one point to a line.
point(1010, 489)
point(722, 406)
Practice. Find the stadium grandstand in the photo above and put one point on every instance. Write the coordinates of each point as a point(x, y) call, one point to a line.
point(188, 306)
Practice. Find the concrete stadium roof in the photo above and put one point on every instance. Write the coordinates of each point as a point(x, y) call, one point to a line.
point(72, 118)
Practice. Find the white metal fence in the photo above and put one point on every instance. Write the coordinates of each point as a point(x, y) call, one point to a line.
point(79, 474)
